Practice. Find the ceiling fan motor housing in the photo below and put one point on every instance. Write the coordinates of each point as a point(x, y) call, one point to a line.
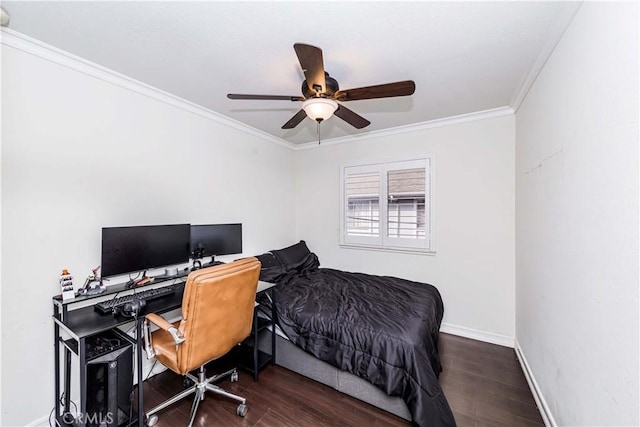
point(331, 85)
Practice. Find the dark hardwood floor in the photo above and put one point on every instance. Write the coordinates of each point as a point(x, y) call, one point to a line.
point(483, 383)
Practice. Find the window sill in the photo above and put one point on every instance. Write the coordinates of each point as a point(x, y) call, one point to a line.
point(413, 251)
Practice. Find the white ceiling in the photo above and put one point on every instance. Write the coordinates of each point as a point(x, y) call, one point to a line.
point(464, 57)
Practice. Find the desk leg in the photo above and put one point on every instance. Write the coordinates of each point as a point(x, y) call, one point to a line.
point(82, 356)
point(255, 345)
point(67, 380)
point(56, 351)
point(139, 371)
point(273, 327)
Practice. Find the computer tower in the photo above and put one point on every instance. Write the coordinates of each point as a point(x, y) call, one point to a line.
point(109, 383)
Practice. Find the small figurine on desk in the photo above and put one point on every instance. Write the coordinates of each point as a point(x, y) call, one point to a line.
point(66, 284)
point(88, 288)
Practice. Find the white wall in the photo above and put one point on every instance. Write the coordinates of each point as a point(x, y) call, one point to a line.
point(577, 221)
point(474, 268)
point(79, 153)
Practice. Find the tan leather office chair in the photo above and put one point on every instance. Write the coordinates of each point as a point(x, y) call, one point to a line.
point(217, 314)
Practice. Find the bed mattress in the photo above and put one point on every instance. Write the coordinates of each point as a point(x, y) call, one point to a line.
point(382, 329)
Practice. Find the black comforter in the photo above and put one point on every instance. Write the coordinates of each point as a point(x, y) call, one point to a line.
point(382, 329)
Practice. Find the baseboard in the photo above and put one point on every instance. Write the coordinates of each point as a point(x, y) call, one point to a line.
point(506, 341)
point(490, 337)
point(40, 422)
point(543, 407)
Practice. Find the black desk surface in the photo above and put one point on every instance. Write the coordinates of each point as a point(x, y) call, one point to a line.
point(86, 321)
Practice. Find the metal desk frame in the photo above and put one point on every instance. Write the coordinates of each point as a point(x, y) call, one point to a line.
point(84, 322)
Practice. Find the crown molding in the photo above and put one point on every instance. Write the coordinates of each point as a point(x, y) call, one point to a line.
point(559, 25)
point(415, 127)
point(24, 43)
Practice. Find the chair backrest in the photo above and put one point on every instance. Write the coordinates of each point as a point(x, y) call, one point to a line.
point(217, 311)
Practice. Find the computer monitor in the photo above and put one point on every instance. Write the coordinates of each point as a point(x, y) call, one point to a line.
point(215, 239)
point(131, 249)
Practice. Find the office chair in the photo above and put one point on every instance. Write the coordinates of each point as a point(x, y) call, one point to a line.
point(217, 314)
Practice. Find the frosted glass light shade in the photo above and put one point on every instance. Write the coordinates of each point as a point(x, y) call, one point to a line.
point(319, 108)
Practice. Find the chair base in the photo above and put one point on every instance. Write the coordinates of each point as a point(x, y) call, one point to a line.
point(200, 386)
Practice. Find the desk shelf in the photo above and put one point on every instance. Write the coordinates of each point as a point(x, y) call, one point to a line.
point(262, 325)
point(71, 344)
point(250, 358)
point(246, 360)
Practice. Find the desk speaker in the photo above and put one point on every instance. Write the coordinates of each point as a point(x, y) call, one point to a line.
point(109, 387)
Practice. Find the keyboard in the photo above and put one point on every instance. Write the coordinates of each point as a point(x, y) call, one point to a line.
point(110, 305)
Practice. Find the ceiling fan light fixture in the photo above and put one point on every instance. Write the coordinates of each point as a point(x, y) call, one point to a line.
point(319, 109)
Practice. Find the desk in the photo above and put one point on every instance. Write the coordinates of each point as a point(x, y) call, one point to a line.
point(84, 322)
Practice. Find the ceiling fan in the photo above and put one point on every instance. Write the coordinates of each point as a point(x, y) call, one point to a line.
point(321, 92)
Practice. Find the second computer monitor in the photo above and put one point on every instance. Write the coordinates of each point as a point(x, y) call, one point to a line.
point(215, 239)
point(132, 249)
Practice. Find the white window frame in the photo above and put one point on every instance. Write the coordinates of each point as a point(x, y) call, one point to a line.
point(383, 241)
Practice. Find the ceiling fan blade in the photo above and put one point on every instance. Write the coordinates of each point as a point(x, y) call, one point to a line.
point(355, 120)
point(310, 58)
point(265, 97)
point(295, 120)
point(387, 90)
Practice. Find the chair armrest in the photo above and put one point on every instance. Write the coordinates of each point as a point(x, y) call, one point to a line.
point(159, 321)
point(162, 323)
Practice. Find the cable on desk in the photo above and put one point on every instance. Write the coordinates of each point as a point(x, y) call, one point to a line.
point(75, 408)
point(51, 413)
point(115, 295)
point(152, 368)
point(138, 386)
point(132, 281)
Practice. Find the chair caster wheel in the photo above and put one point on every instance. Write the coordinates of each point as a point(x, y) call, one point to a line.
point(151, 421)
point(234, 377)
point(186, 382)
point(242, 410)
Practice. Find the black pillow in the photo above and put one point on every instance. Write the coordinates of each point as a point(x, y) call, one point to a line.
point(268, 260)
point(293, 255)
point(271, 269)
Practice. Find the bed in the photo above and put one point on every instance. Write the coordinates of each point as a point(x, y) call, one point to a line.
point(373, 337)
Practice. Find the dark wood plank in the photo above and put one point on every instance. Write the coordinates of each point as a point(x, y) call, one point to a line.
point(273, 419)
point(484, 385)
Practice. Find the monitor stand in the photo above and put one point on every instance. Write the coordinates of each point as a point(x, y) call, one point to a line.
point(197, 264)
point(213, 262)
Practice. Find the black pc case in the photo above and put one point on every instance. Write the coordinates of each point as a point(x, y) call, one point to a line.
point(110, 382)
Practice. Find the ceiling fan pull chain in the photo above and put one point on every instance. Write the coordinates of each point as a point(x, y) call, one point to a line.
point(318, 132)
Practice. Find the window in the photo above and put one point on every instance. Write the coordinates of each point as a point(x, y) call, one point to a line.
point(387, 205)
point(363, 204)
